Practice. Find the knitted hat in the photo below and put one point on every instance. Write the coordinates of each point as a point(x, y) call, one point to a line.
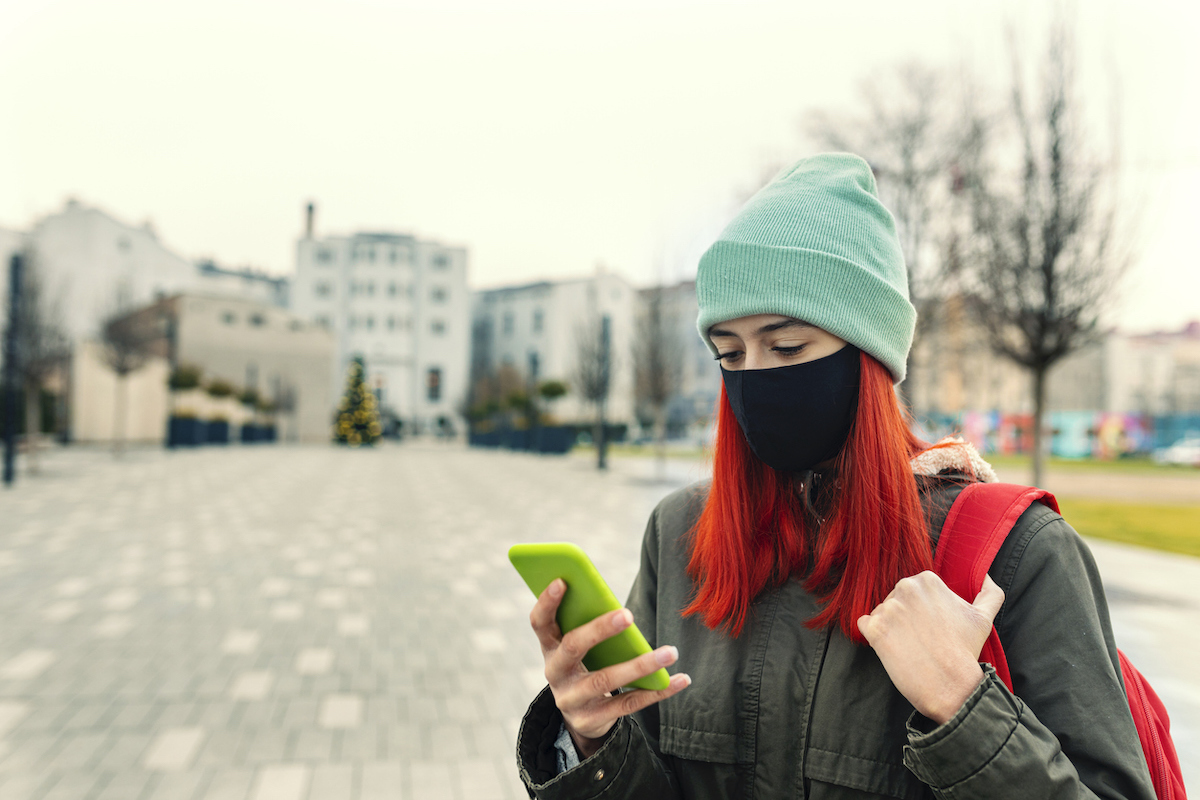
point(815, 244)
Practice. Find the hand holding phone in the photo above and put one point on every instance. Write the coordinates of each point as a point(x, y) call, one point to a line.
point(586, 697)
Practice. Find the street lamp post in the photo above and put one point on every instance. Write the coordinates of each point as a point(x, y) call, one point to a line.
point(8, 381)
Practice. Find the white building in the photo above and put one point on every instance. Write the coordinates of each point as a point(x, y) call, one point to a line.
point(87, 259)
point(247, 284)
point(535, 329)
point(399, 302)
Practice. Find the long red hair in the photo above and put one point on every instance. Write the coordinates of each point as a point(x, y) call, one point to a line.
point(753, 531)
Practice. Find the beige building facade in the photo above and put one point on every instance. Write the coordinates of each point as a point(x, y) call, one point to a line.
point(246, 344)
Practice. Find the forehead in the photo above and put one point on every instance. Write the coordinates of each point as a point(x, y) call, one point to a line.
point(756, 325)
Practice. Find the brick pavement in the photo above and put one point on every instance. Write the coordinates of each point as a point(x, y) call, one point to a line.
point(310, 623)
point(283, 623)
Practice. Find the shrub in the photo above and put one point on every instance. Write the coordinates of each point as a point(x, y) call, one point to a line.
point(220, 388)
point(184, 376)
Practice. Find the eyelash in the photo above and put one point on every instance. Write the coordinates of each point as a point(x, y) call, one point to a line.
point(787, 351)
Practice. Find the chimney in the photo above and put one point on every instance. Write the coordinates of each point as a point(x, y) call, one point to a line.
point(308, 223)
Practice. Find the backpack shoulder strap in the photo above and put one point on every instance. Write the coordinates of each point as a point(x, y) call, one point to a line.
point(975, 527)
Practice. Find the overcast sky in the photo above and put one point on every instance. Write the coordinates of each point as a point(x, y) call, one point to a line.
point(544, 136)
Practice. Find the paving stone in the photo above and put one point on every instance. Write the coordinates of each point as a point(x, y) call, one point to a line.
point(125, 785)
point(174, 748)
point(381, 781)
point(230, 784)
point(332, 782)
point(281, 782)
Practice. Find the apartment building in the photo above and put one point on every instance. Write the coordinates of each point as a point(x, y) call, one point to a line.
point(399, 302)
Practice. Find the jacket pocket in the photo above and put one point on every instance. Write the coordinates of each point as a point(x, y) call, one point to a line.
point(698, 745)
point(870, 778)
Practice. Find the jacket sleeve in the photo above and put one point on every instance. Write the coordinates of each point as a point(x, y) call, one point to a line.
point(628, 764)
point(1068, 731)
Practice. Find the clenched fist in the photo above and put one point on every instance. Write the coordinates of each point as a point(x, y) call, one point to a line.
point(929, 639)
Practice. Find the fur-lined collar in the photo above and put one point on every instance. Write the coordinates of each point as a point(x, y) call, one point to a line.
point(953, 455)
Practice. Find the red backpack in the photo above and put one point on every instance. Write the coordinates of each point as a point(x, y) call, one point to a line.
point(976, 526)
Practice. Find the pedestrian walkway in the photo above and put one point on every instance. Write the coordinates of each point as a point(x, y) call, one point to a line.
point(283, 623)
point(306, 623)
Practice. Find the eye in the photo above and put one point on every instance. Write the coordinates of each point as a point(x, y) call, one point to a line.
point(790, 351)
point(729, 357)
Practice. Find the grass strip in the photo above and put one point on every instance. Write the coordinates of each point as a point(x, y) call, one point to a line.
point(1173, 528)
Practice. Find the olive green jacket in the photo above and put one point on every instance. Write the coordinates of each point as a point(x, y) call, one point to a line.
point(783, 711)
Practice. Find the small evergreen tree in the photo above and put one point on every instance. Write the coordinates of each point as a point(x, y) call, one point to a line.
point(358, 415)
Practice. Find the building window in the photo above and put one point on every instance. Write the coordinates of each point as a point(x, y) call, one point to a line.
point(392, 289)
point(324, 255)
point(391, 322)
point(371, 255)
point(296, 325)
point(228, 317)
point(537, 320)
point(392, 256)
point(371, 289)
point(433, 384)
point(440, 261)
point(323, 322)
point(323, 289)
point(370, 323)
point(507, 326)
point(438, 294)
point(353, 322)
point(437, 327)
point(258, 320)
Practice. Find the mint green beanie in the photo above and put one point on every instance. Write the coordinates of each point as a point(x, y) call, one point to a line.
point(815, 244)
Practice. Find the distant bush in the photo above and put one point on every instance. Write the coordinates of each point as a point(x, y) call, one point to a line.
point(552, 390)
point(183, 377)
point(219, 388)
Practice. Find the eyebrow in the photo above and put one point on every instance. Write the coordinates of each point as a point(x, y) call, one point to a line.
point(774, 326)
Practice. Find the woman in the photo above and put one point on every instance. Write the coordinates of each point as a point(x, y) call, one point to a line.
point(823, 659)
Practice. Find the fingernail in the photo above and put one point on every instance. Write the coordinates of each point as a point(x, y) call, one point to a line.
point(556, 587)
point(623, 619)
point(666, 655)
point(681, 681)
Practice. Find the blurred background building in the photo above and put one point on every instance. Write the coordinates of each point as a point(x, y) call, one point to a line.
point(400, 303)
point(525, 335)
point(253, 362)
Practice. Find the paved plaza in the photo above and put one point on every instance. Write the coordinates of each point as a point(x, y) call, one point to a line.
point(285, 623)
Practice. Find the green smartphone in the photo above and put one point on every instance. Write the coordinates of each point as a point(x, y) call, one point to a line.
point(586, 598)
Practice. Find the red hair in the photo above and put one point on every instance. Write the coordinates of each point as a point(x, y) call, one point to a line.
point(753, 531)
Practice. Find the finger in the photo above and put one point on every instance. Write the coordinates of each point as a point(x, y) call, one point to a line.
point(990, 599)
point(627, 703)
point(542, 617)
point(865, 627)
point(609, 679)
point(575, 645)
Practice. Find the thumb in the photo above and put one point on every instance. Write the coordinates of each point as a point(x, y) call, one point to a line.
point(989, 599)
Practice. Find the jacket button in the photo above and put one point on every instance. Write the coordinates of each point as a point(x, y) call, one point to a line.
point(599, 776)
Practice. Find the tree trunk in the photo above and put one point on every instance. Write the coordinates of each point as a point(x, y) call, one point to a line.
point(1039, 424)
point(33, 427)
point(119, 416)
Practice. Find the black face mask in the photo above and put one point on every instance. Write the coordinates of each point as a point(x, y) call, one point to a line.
point(795, 417)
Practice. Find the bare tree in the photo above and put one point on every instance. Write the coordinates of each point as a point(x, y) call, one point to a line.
point(127, 344)
point(593, 375)
point(658, 362)
point(42, 349)
point(1045, 230)
point(905, 131)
